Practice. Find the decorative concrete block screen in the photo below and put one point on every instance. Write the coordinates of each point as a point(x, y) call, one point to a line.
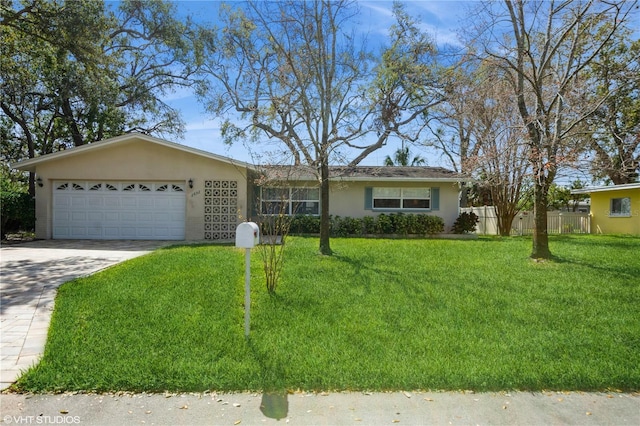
point(220, 209)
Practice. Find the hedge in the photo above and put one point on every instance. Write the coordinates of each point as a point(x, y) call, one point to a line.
point(395, 223)
point(18, 211)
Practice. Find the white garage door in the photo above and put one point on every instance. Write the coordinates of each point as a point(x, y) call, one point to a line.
point(118, 210)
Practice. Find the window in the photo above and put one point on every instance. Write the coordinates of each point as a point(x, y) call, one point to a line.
point(291, 201)
point(134, 187)
point(402, 198)
point(620, 207)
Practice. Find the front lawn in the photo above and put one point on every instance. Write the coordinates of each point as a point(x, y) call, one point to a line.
point(379, 315)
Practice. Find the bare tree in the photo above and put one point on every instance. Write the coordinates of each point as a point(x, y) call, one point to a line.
point(292, 72)
point(500, 159)
point(543, 48)
point(452, 131)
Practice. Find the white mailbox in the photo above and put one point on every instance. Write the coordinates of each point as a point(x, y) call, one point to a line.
point(247, 235)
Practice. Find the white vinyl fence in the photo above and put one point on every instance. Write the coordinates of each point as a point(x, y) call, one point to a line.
point(557, 222)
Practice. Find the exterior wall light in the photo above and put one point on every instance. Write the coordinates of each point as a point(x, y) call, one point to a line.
point(39, 181)
point(191, 183)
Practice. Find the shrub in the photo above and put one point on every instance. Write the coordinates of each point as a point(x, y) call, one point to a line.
point(395, 223)
point(465, 223)
point(305, 224)
point(432, 224)
point(399, 223)
point(383, 225)
point(368, 225)
point(18, 211)
point(346, 226)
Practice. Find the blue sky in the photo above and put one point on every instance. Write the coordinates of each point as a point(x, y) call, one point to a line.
point(439, 18)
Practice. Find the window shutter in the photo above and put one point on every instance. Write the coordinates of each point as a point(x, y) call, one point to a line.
point(435, 198)
point(368, 198)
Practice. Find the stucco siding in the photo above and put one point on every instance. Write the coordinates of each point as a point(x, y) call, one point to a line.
point(602, 222)
point(348, 199)
point(141, 161)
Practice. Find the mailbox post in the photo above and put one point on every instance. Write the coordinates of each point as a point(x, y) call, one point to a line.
point(247, 237)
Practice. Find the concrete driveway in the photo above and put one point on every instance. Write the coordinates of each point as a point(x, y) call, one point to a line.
point(30, 273)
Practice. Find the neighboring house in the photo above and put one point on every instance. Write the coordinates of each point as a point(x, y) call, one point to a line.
point(614, 209)
point(140, 187)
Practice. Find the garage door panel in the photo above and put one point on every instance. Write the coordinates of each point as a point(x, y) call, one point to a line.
point(61, 216)
point(162, 217)
point(145, 232)
point(78, 202)
point(78, 216)
point(62, 201)
point(163, 203)
point(129, 202)
point(128, 216)
point(111, 216)
point(62, 231)
point(146, 202)
point(110, 212)
point(176, 203)
point(95, 216)
point(79, 232)
point(128, 232)
point(95, 232)
point(111, 202)
point(111, 233)
point(95, 202)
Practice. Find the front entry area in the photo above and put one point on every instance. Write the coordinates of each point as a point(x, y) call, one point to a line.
point(119, 210)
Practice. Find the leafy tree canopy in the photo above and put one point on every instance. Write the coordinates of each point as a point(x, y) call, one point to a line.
point(73, 72)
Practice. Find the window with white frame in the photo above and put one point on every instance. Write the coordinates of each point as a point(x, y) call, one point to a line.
point(402, 198)
point(620, 207)
point(290, 201)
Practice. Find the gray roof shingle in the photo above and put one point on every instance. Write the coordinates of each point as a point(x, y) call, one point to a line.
point(362, 173)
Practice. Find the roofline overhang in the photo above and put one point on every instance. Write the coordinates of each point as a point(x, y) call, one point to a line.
point(399, 179)
point(31, 164)
point(591, 189)
point(374, 179)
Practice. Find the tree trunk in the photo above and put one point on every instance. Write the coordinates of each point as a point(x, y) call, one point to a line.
point(76, 134)
point(325, 224)
point(540, 235)
point(505, 219)
point(464, 195)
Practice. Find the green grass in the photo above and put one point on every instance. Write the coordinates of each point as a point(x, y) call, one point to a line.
point(379, 315)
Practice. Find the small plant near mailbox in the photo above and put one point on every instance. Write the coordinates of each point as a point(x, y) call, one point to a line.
point(465, 223)
point(274, 229)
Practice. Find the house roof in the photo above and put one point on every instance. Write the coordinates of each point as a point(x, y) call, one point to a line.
point(591, 189)
point(30, 164)
point(269, 172)
point(364, 173)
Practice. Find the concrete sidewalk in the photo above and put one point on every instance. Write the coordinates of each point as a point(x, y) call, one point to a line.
point(432, 408)
point(30, 275)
